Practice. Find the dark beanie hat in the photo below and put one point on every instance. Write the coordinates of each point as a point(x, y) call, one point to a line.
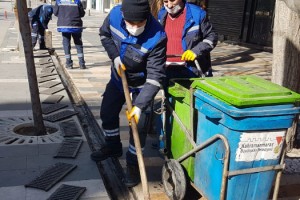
point(135, 10)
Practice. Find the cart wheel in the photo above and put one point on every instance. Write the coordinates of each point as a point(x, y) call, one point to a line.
point(173, 179)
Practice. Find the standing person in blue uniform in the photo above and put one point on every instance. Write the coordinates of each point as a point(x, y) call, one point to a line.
point(69, 23)
point(191, 38)
point(191, 35)
point(133, 38)
point(39, 19)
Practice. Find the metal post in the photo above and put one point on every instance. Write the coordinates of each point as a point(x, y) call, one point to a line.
point(31, 73)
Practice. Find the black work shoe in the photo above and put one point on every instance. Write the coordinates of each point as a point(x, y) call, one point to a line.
point(82, 66)
point(132, 177)
point(106, 151)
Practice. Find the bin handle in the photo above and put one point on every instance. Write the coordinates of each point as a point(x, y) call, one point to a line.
point(211, 112)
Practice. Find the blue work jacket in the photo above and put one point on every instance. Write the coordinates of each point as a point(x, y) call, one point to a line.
point(69, 13)
point(198, 35)
point(144, 56)
point(41, 14)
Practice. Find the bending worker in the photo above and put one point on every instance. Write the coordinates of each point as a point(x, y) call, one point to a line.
point(39, 19)
point(133, 38)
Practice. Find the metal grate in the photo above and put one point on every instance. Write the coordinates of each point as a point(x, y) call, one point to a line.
point(51, 176)
point(52, 90)
point(53, 99)
point(53, 107)
point(69, 148)
point(41, 80)
point(69, 129)
point(67, 192)
point(50, 84)
point(60, 115)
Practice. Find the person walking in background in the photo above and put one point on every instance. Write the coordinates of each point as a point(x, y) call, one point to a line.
point(191, 35)
point(132, 38)
point(69, 23)
point(39, 18)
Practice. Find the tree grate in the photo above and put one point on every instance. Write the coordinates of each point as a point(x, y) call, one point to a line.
point(60, 115)
point(69, 148)
point(53, 99)
point(67, 192)
point(42, 80)
point(42, 75)
point(51, 176)
point(53, 107)
point(69, 129)
point(50, 84)
point(52, 90)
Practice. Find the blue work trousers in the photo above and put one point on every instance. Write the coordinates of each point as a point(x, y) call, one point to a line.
point(78, 44)
point(112, 103)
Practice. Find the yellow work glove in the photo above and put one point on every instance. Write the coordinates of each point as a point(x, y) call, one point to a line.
point(135, 112)
point(188, 55)
point(117, 64)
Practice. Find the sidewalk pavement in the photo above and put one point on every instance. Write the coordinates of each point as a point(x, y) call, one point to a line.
point(227, 60)
point(23, 158)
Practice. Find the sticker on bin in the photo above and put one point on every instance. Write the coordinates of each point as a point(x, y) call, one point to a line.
point(256, 146)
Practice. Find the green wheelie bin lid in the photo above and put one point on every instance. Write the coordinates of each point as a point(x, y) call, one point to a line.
point(249, 90)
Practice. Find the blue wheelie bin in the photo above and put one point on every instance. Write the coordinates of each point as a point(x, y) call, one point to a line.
point(254, 115)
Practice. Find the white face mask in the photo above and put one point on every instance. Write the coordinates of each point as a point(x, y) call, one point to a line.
point(135, 31)
point(174, 10)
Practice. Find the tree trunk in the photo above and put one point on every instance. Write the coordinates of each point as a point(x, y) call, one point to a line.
point(30, 65)
point(286, 55)
point(286, 47)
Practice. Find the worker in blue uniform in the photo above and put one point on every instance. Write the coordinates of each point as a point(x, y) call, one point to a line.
point(39, 18)
point(69, 23)
point(132, 38)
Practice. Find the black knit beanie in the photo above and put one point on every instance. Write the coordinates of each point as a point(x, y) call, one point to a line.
point(135, 10)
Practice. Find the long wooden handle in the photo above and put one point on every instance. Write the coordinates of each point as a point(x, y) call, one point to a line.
point(136, 138)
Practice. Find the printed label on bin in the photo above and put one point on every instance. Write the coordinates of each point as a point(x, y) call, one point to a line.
point(260, 146)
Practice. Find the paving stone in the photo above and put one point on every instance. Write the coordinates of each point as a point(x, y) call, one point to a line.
point(53, 99)
point(50, 84)
point(52, 90)
point(45, 79)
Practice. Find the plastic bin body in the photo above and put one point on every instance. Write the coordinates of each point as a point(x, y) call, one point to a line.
point(255, 136)
point(177, 138)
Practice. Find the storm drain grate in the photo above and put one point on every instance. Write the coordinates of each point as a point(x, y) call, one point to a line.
point(69, 129)
point(69, 148)
point(42, 80)
point(51, 176)
point(53, 107)
point(42, 75)
point(53, 99)
point(52, 90)
point(67, 192)
point(60, 115)
point(50, 84)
